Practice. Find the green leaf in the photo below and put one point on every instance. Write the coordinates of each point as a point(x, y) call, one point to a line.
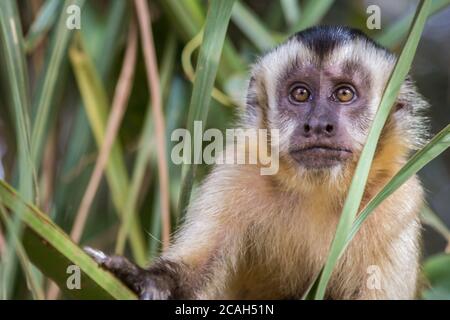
point(17, 78)
point(47, 86)
point(397, 31)
point(187, 16)
point(96, 104)
point(13, 58)
point(70, 193)
point(359, 180)
point(42, 24)
point(144, 152)
point(188, 19)
point(32, 281)
point(312, 13)
point(250, 25)
point(435, 147)
point(432, 219)
point(208, 62)
point(52, 250)
point(291, 11)
point(437, 272)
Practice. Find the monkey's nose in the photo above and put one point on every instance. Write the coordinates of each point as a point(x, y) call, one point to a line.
point(319, 127)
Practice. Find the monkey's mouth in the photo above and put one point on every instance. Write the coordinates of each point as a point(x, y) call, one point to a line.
point(320, 156)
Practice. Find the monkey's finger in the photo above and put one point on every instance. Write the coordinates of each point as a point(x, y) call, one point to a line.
point(95, 254)
point(146, 296)
point(154, 294)
point(151, 291)
point(130, 274)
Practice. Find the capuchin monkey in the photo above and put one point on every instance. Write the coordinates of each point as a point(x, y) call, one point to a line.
point(253, 236)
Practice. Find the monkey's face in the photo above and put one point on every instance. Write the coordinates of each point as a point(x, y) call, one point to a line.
point(324, 106)
point(321, 89)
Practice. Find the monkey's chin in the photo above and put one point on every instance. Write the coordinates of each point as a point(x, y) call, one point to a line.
point(320, 158)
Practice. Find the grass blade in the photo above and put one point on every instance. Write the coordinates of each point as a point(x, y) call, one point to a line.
point(44, 21)
point(213, 39)
point(396, 32)
point(359, 180)
point(96, 104)
point(81, 132)
point(437, 273)
point(291, 11)
point(250, 25)
point(188, 20)
point(435, 147)
point(189, 71)
point(432, 219)
point(187, 14)
point(98, 283)
point(148, 46)
point(33, 284)
point(120, 103)
point(312, 13)
point(13, 58)
point(145, 147)
point(46, 90)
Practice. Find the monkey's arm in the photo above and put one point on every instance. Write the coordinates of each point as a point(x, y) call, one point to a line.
point(187, 268)
point(391, 270)
point(395, 277)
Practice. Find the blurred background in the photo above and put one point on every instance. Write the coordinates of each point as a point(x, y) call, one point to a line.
point(72, 85)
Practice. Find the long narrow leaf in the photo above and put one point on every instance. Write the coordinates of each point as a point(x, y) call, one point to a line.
point(397, 31)
point(96, 103)
point(46, 90)
point(312, 12)
point(97, 282)
point(250, 25)
point(32, 282)
point(291, 11)
point(437, 273)
point(13, 58)
point(357, 186)
point(81, 132)
point(189, 20)
point(430, 218)
point(213, 39)
point(144, 151)
point(44, 21)
point(436, 146)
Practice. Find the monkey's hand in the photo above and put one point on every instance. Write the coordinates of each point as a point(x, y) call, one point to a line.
point(151, 284)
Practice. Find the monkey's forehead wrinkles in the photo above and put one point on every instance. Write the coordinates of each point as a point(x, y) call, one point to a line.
point(348, 70)
point(343, 55)
point(322, 40)
point(333, 49)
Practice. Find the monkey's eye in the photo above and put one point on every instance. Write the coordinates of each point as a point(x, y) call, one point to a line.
point(299, 94)
point(344, 94)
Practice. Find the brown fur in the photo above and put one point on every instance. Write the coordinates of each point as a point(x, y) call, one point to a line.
point(269, 243)
point(252, 236)
point(266, 237)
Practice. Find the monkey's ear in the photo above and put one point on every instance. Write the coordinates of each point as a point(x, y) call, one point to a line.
point(255, 104)
point(251, 100)
point(407, 91)
point(399, 105)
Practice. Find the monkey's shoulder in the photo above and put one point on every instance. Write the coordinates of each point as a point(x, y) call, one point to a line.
point(237, 188)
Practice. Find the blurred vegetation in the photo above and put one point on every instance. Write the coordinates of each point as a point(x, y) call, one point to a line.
point(75, 104)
